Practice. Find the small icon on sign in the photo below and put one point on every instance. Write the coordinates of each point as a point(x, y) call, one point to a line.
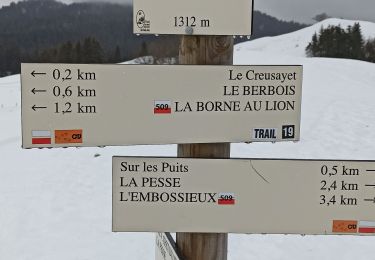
point(140, 18)
point(41, 137)
point(162, 107)
point(366, 227)
point(141, 21)
point(68, 136)
point(226, 199)
point(288, 131)
point(344, 226)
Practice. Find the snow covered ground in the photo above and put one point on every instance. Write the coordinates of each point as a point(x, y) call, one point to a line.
point(56, 204)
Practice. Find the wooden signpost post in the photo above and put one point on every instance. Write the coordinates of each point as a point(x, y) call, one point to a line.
point(201, 50)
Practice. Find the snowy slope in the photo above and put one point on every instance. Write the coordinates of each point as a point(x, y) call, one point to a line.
point(295, 43)
point(56, 204)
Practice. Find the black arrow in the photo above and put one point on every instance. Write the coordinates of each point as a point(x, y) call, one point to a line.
point(37, 73)
point(370, 185)
point(370, 200)
point(38, 90)
point(34, 107)
point(370, 170)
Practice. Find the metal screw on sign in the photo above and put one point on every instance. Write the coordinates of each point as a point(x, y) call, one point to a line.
point(189, 30)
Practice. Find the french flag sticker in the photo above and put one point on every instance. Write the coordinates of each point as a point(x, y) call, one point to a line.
point(162, 107)
point(41, 137)
point(226, 199)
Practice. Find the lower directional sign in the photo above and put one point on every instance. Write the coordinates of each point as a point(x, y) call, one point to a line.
point(165, 248)
point(100, 105)
point(243, 196)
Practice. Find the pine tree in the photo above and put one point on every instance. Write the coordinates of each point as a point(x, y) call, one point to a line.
point(144, 50)
point(315, 48)
point(78, 53)
point(92, 51)
point(66, 54)
point(117, 57)
point(86, 50)
point(369, 51)
point(312, 48)
point(357, 42)
point(337, 42)
point(320, 17)
point(97, 52)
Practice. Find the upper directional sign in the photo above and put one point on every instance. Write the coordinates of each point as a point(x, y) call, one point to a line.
point(100, 105)
point(208, 17)
point(243, 196)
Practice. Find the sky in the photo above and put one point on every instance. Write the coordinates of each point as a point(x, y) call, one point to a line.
point(298, 10)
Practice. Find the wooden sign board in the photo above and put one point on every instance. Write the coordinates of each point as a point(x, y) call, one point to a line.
point(208, 17)
point(165, 247)
point(100, 105)
point(243, 196)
